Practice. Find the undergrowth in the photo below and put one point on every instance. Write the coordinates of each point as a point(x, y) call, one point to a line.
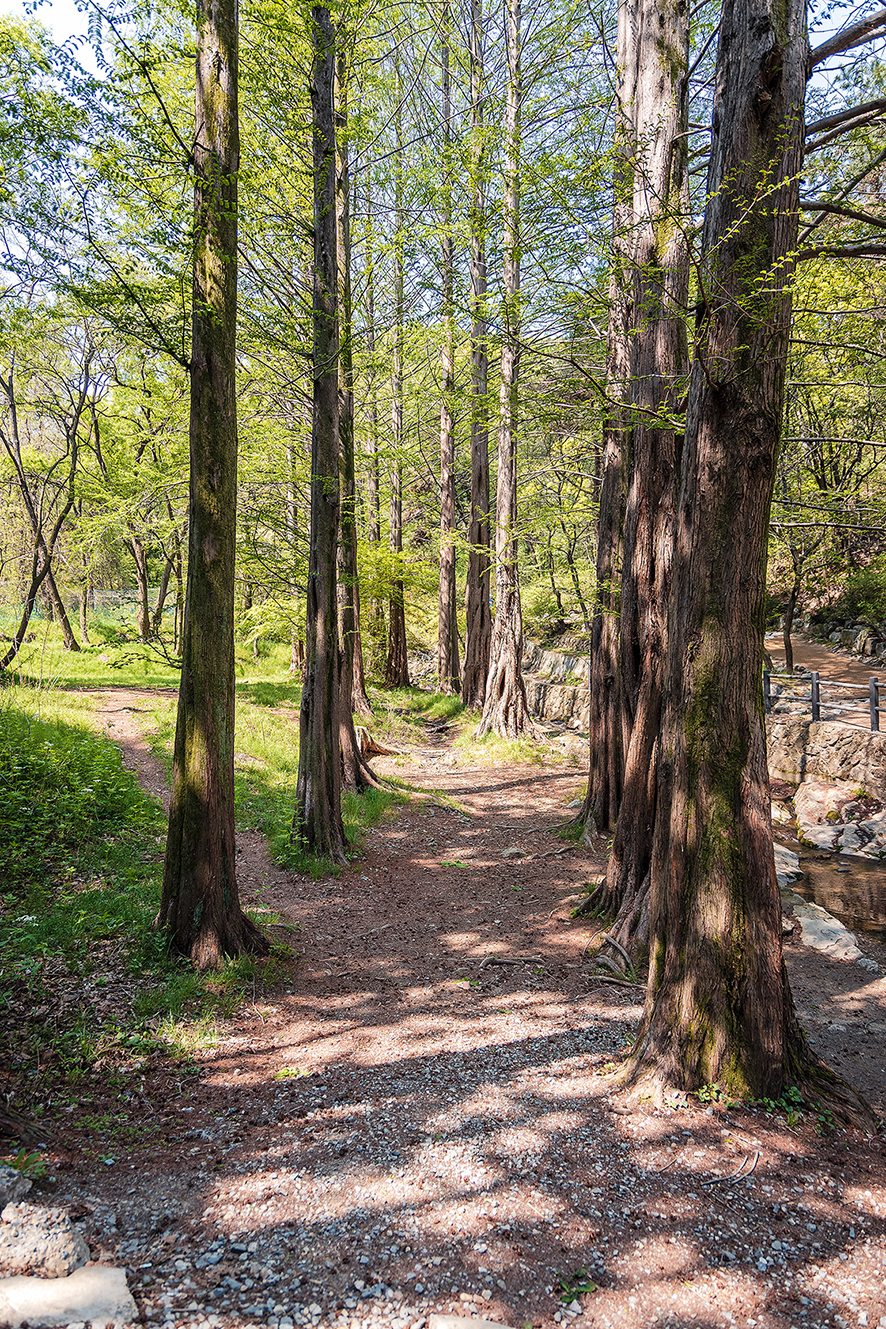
point(85, 982)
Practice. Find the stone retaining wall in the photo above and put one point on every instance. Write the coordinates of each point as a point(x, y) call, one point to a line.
point(824, 749)
point(799, 749)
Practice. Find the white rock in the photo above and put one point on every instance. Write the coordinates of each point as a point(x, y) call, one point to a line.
point(787, 866)
point(823, 932)
point(97, 1293)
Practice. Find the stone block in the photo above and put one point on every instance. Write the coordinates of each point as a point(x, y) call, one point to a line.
point(97, 1295)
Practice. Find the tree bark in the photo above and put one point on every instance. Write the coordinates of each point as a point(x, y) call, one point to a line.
point(447, 611)
point(200, 909)
point(655, 62)
point(377, 624)
point(143, 612)
point(353, 682)
point(397, 665)
point(317, 823)
point(606, 738)
point(505, 709)
point(478, 629)
point(356, 774)
point(718, 1006)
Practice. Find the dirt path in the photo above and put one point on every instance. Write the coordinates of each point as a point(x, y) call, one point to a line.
point(839, 667)
point(406, 1127)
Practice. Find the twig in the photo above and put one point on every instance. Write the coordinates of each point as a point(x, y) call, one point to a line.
point(506, 959)
point(670, 1163)
point(620, 982)
point(734, 1176)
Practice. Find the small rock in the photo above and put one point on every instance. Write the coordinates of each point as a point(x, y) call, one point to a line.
point(36, 1240)
point(13, 1186)
point(871, 965)
point(98, 1294)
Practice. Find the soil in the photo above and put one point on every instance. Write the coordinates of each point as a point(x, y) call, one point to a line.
point(419, 1116)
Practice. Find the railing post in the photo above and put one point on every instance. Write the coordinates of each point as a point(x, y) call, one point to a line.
point(767, 697)
point(875, 705)
point(816, 698)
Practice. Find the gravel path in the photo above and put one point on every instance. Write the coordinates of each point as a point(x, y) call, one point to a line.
point(406, 1126)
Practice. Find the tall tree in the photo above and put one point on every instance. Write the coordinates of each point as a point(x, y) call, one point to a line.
point(353, 682)
point(317, 822)
point(654, 64)
point(718, 1005)
point(397, 665)
point(478, 630)
point(447, 614)
point(200, 909)
point(505, 710)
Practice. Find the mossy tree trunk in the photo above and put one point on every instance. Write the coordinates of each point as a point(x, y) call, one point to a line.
point(478, 611)
point(200, 909)
point(317, 823)
point(719, 1007)
point(505, 710)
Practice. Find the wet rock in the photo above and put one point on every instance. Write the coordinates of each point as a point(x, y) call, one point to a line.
point(36, 1240)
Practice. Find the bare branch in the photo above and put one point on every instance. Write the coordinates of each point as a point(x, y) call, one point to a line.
point(867, 30)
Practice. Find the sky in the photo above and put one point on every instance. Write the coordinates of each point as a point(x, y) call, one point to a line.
point(62, 17)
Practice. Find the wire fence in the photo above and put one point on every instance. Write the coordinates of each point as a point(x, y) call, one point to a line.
point(812, 694)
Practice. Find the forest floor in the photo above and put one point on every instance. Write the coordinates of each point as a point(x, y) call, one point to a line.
point(418, 1116)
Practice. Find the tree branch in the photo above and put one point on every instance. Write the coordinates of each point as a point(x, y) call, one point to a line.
point(869, 28)
point(819, 205)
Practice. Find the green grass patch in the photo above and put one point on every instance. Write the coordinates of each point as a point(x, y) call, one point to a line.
point(490, 750)
point(85, 983)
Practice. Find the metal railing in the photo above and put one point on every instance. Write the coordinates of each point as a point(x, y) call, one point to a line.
point(794, 701)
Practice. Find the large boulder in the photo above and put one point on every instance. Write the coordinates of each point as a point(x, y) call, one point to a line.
point(41, 1241)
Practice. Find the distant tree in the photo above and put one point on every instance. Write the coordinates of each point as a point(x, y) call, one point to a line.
point(478, 608)
point(317, 823)
point(505, 710)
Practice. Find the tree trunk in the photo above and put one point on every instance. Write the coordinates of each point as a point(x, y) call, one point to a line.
point(505, 710)
point(397, 665)
point(157, 616)
point(200, 909)
point(356, 774)
point(447, 611)
point(377, 627)
point(317, 823)
point(659, 366)
point(143, 611)
point(789, 612)
point(718, 1006)
point(607, 741)
point(353, 683)
point(84, 606)
point(478, 631)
